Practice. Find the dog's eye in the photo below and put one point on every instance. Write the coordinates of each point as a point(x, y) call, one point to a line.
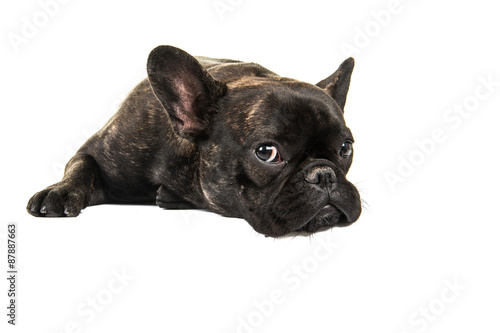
point(268, 154)
point(346, 150)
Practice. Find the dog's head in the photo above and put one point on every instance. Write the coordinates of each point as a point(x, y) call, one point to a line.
point(272, 150)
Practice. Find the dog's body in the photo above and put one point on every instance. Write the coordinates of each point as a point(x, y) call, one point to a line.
point(223, 135)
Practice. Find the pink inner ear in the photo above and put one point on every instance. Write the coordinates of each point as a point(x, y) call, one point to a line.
point(188, 93)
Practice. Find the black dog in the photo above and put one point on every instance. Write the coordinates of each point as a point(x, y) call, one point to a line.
point(223, 135)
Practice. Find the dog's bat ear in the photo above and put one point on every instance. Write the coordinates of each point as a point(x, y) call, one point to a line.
point(337, 84)
point(187, 92)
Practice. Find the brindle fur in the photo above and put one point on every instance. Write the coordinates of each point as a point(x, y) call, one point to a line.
point(185, 138)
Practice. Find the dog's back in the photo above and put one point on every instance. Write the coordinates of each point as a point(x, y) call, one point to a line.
point(227, 70)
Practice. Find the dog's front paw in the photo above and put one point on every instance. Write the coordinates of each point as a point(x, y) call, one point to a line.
point(167, 200)
point(57, 200)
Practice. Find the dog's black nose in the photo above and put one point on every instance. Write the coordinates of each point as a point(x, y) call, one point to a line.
point(323, 176)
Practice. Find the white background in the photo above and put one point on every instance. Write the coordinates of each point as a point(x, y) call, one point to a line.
point(192, 271)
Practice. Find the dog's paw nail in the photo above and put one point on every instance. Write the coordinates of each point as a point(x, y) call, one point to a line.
point(33, 208)
point(66, 211)
point(43, 210)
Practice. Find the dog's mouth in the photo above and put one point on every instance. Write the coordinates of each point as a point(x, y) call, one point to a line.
point(326, 211)
point(327, 217)
point(306, 217)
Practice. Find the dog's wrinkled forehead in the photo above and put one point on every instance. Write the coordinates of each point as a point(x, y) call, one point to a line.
point(285, 107)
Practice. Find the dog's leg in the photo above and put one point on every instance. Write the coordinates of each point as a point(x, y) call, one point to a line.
point(80, 187)
point(167, 200)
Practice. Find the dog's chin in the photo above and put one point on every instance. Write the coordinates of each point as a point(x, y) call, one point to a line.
point(327, 217)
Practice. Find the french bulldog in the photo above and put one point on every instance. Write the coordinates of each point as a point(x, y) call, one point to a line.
point(223, 135)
